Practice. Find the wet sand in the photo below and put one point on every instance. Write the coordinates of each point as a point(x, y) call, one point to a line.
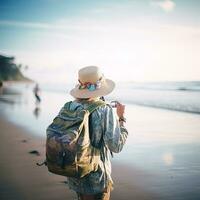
point(21, 179)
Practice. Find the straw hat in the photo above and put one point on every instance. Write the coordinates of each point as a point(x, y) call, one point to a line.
point(92, 83)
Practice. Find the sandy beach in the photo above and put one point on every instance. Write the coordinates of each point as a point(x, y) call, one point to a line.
point(159, 161)
point(20, 177)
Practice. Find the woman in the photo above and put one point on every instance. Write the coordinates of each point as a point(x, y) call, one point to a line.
point(107, 132)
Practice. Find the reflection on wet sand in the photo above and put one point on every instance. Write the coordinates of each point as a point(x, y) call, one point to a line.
point(168, 158)
point(37, 111)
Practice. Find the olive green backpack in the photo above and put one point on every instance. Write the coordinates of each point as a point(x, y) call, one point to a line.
point(68, 148)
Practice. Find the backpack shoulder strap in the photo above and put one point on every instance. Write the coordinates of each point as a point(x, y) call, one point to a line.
point(95, 105)
point(92, 108)
point(67, 105)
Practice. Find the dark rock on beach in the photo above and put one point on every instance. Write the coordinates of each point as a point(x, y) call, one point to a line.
point(35, 152)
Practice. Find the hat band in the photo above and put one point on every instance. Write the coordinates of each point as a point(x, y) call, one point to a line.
point(90, 86)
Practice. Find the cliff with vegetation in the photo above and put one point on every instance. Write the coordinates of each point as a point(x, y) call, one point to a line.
point(10, 71)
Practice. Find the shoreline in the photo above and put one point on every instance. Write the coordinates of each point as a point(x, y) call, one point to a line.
point(13, 87)
point(22, 179)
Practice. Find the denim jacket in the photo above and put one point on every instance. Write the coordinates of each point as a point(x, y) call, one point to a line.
point(106, 134)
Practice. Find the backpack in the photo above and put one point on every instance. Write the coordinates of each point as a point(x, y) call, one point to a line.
point(68, 148)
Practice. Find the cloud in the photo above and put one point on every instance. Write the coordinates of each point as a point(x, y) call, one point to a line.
point(162, 45)
point(166, 5)
point(63, 26)
point(24, 24)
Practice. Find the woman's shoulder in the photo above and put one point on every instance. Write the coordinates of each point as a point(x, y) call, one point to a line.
point(102, 109)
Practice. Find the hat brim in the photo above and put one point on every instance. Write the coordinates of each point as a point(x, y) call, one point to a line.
point(106, 88)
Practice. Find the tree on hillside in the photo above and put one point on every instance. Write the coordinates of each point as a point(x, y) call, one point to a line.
point(9, 70)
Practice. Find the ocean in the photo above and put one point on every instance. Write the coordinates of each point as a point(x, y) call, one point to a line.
point(180, 96)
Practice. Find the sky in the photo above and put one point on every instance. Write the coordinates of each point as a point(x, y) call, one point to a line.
point(131, 40)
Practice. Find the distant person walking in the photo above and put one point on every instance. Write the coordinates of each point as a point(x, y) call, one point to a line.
point(36, 91)
point(1, 87)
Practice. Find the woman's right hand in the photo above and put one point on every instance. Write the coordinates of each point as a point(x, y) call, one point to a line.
point(120, 110)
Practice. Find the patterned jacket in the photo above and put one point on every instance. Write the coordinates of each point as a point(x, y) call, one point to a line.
point(106, 134)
